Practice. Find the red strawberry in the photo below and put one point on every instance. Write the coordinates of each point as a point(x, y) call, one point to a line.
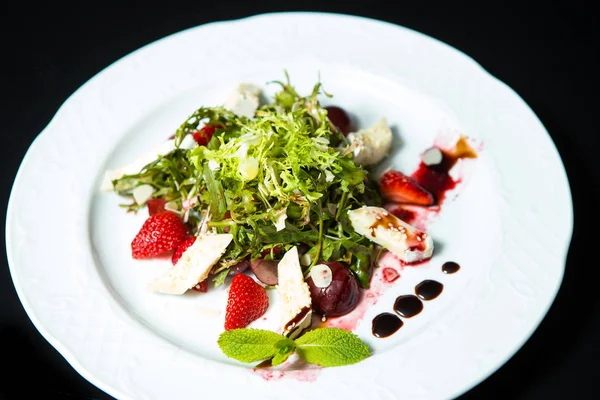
point(203, 136)
point(156, 206)
point(160, 233)
point(390, 274)
point(247, 302)
point(395, 186)
point(181, 248)
point(201, 286)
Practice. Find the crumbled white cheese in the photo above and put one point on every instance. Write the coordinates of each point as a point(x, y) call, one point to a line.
point(371, 145)
point(188, 142)
point(214, 165)
point(244, 101)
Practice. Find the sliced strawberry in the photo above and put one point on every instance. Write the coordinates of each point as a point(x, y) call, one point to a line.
point(203, 136)
point(247, 302)
point(397, 187)
point(201, 286)
point(390, 274)
point(182, 248)
point(156, 206)
point(160, 233)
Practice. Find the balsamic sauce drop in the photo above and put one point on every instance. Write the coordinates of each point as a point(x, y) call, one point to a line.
point(386, 324)
point(450, 267)
point(428, 289)
point(408, 306)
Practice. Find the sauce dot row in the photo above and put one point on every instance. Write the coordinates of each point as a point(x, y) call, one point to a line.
point(407, 306)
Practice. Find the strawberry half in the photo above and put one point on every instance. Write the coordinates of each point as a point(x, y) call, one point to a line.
point(247, 302)
point(160, 233)
point(203, 136)
point(397, 187)
point(156, 206)
point(182, 248)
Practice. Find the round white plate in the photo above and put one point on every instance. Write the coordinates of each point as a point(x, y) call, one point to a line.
point(68, 243)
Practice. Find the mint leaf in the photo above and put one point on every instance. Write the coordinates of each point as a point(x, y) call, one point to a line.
point(250, 345)
point(331, 347)
point(286, 348)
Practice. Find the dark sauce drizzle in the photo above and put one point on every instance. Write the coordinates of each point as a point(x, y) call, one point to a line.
point(428, 289)
point(450, 267)
point(386, 324)
point(408, 306)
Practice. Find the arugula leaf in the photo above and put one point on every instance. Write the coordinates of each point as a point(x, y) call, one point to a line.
point(219, 279)
point(218, 206)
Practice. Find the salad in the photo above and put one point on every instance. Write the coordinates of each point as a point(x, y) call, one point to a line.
point(278, 195)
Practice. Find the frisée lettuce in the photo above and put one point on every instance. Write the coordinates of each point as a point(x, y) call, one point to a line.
point(280, 179)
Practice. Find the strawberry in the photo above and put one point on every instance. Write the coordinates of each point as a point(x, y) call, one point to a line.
point(201, 286)
point(181, 248)
point(247, 302)
point(203, 136)
point(397, 187)
point(160, 233)
point(390, 274)
point(156, 206)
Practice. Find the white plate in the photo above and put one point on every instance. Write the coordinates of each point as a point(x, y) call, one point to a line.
point(68, 244)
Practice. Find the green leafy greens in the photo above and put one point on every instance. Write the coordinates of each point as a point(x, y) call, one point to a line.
point(278, 180)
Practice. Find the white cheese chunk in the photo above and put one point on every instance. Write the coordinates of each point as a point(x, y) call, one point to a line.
point(403, 240)
point(193, 266)
point(142, 193)
point(296, 309)
point(280, 217)
point(244, 101)
point(188, 142)
point(371, 145)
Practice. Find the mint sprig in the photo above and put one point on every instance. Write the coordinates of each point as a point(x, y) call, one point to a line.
point(250, 345)
point(328, 347)
point(331, 347)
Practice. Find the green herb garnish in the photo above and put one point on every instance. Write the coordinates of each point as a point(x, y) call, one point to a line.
point(328, 347)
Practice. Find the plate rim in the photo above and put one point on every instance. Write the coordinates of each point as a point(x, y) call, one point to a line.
point(72, 358)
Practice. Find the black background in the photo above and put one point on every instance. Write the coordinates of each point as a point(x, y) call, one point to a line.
point(548, 52)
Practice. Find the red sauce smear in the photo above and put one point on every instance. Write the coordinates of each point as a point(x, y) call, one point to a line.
point(436, 178)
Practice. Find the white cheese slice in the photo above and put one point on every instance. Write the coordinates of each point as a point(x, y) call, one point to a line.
point(244, 101)
point(403, 240)
point(280, 217)
point(296, 309)
point(193, 266)
point(371, 145)
point(142, 193)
